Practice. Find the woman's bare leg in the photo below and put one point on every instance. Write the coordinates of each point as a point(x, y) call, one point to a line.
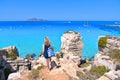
point(47, 62)
point(50, 59)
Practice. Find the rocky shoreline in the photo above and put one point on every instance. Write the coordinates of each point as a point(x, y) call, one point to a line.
point(67, 64)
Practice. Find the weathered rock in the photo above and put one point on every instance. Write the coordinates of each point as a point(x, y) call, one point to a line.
point(71, 45)
point(104, 60)
point(14, 76)
point(18, 75)
point(103, 78)
point(2, 76)
point(113, 75)
point(9, 50)
point(112, 43)
point(102, 57)
point(67, 70)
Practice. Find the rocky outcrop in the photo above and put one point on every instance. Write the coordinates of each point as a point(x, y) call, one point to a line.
point(71, 45)
point(10, 51)
point(105, 57)
point(2, 76)
point(113, 75)
point(2, 67)
point(14, 76)
point(112, 43)
point(102, 57)
point(18, 75)
point(10, 62)
point(105, 60)
point(63, 69)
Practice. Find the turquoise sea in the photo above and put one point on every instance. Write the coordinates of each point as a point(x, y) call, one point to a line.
point(28, 36)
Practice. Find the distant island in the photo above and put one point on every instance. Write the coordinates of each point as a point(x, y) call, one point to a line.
point(112, 25)
point(35, 19)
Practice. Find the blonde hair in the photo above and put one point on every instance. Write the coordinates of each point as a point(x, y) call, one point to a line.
point(46, 41)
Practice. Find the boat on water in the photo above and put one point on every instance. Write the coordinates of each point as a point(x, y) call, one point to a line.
point(85, 24)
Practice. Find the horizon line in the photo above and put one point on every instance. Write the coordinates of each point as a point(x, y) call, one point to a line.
point(57, 20)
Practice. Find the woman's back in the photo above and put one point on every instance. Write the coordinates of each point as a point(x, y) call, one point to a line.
point(46, 50)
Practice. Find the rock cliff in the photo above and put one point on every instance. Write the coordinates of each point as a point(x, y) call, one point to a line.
point(109, 56)
point(10, 62)
point(71, 45)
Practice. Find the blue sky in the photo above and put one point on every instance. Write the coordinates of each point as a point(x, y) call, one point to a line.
point(12, 10)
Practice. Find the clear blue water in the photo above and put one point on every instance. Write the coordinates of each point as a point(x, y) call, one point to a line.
point(28, 36)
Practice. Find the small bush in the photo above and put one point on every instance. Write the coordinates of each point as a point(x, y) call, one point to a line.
point(57, 56)
point(102, 42)
point(34, 74)
point(80, 74)
point(93, 74)
point(40, 67)
point(61, 54)
point(98, 71)
point(114, 54)
point(84, 76)
point(36, 63)
point(12, 55)
point(85, 64)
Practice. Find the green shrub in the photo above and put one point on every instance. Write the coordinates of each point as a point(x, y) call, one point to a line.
point(84, 76)
point(12, 55)
point(85, 64)
point(58, 56)
point(114, 54)
point(34, 74)
point(94, 73)
point(98, 71)
point(102, 42)
point(40, 67)
point(61, 54)
point(36, 63)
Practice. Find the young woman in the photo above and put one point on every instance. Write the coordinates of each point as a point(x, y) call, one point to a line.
point(46, 45)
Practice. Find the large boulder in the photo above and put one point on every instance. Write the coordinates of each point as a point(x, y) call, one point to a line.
point(71, 44)
point(14, 76)
point(18, 75)
point(113, 75)
point(10, 52)
point(105, 60)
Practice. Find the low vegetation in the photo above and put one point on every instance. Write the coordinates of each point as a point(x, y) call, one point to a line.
point(12, 55)
point(85, 64)
point(40, 67)
point(114, 54)
point(98, 71)
point(94, 73)
point(61, 54)
point(34, 74)
point(57, 56)
point(102, 42)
